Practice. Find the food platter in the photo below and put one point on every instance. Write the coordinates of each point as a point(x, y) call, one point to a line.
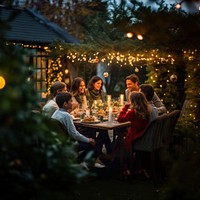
point(76, 118)
point(90, 122)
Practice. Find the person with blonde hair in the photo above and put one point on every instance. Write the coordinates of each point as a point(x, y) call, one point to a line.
point(50, 107)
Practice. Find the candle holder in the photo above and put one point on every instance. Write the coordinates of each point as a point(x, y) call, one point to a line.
point(110, 113)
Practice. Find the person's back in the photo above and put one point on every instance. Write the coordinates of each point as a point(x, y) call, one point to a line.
point(138, 113)
point(148, 91)
point(50, 107)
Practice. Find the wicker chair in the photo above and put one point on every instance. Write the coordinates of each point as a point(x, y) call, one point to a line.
point(159, 133)
point(56, 126)
point(172, 119)
point(151, 142)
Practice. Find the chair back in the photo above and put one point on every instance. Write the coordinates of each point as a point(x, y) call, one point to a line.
point(170, 126)
point(152, 137)
point(57, 127)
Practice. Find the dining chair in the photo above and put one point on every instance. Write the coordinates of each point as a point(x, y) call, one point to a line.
point(151, 142)
point(168, 136)
point(158, 134)
point(56, 126)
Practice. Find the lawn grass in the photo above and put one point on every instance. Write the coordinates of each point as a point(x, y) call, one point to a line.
point(111, 188)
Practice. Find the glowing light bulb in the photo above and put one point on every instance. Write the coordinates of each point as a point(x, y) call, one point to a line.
point(2, 82)
point(139, 37)
point(129, 35)
point(106, 74)
point(178, 6)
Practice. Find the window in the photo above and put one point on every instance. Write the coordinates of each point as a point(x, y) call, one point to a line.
point(40, 64)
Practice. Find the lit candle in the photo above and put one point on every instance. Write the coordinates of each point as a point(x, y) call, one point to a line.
point(109, 100)
point(121, 99)
point(95, 103)
point(110, 114)
point(84, 104)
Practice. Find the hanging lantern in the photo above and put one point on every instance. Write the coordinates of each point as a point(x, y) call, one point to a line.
point(136, 69)
point(106, 74)
point(173, 78)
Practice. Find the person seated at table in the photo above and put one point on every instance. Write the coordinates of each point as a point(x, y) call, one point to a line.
point(78, 94)
point(138, 113)
point(50, 107)
point(64, 101)
point(132, 84)
point(79, 97)
point(148, 91)
point(94, 89)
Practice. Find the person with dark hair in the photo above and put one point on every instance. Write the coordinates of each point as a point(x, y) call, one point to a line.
point(50, 107)
point(138, 113)
point(132, 84)
point(148, 91)
point(94, 89)
point(78, 92)
point(64, 101)
point(79, 95)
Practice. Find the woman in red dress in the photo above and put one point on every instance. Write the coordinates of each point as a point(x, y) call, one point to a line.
point(138, 113)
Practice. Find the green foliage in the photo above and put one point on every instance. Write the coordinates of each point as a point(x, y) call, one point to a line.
point(33, 158)
point(192, 87)
point(169, 91)
point(184, 175)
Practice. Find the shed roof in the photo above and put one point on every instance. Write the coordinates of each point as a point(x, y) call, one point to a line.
point(29, 27)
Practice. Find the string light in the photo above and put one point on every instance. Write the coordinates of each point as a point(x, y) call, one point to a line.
point(129, 35)
point(178, 6)
point(139, 37)
point(55, 67)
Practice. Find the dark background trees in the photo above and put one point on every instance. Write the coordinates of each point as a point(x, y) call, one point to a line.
point(171, 31)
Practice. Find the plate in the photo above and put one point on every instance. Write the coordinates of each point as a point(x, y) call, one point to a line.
point(76, 118)
point(105, 119)
point(90, 122)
